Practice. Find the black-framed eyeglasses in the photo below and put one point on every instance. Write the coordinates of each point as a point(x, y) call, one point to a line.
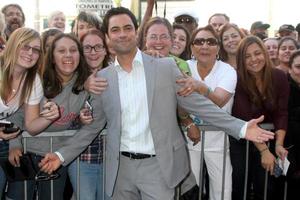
point(97, 48)
point(27, 48)
point(42, 176)
point(208, 41)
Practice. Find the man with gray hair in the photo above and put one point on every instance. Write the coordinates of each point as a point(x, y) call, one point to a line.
point(14, 18)
point(57, 19)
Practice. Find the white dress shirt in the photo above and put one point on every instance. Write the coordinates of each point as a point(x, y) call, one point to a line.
point(136, 135)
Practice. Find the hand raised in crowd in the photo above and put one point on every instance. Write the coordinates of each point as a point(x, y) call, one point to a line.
point(95, 84)
point(14, 156)
point(50, 110)
point(256, 134)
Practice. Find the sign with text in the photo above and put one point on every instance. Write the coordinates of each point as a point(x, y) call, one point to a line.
point(100, 7)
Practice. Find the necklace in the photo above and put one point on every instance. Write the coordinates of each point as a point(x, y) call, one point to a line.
point(14, 91)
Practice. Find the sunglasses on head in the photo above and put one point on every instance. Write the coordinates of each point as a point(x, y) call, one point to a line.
point(185, 20)
point(208, 41)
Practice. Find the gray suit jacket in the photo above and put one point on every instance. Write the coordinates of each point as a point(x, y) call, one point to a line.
point(163, 100)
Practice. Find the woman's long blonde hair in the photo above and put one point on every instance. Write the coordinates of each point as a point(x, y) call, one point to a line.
point(8, 60)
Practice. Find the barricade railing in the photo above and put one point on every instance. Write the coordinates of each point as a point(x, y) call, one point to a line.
point(67, 133)
point(50, 135)
point(203, 128)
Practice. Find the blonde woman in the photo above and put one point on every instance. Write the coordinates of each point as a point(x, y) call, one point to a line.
point(20, 85)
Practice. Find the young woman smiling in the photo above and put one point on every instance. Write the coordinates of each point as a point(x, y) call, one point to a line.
point(261, 90)
point(63, 81)
point(91, 160)
point(21, 88)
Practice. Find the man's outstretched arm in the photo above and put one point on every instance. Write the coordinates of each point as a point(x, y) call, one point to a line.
point(199, 105)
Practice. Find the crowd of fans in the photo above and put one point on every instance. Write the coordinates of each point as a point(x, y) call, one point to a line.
point(47, 80)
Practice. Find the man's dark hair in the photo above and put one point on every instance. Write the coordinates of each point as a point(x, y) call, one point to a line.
point(90, 18)
point(3, 10)
point(117, 11)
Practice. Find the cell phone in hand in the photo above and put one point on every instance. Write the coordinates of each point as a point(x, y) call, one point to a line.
point(89, 107)
point(10, 128)
point(4, 123)
point(277, 170)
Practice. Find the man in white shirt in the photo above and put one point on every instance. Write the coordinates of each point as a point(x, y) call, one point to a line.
point(146, 152)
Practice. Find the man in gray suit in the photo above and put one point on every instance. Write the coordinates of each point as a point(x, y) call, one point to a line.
point(146, 152)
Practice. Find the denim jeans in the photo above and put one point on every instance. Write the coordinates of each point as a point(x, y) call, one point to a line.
point(3, 155)
point(2, 182)
point(91, 180)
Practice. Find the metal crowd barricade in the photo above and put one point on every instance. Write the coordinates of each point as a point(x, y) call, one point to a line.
point(50, 135)
point(205, 127)
point(67, 133)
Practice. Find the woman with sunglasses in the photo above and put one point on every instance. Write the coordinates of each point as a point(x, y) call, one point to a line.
point(21, 89)
point(91, 160)
point(218, 81)
point(63, 81)
point(261, 90)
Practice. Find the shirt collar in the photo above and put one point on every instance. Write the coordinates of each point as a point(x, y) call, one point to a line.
point(137, 61)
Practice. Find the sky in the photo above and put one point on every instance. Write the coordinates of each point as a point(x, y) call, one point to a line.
point(241, 12)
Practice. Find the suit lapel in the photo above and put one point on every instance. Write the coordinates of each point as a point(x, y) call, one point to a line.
point(149, 66)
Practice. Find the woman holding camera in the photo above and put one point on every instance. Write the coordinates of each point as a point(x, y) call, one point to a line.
point(20, 86)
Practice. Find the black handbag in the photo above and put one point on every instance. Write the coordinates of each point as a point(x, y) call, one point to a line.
point(26, 170)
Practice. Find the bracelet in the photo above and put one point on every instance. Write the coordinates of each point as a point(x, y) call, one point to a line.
point(261, 151)
point(277, 145)
point(183, 116)
point(190, 125)
point(209, 90)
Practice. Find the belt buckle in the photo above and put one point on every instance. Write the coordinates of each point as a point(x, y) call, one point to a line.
point(130, 156)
